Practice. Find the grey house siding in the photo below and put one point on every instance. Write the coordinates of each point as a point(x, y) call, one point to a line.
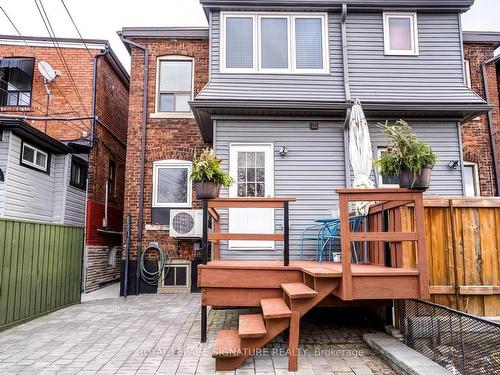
point(314, 168)
point(34, 195)
point(435, 75)
point(277, 86)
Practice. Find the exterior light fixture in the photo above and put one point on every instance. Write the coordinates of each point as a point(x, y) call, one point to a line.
point(454, 164)
point(283, 151)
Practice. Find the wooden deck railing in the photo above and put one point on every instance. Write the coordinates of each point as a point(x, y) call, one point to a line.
point(210, 210)
point(386, 199)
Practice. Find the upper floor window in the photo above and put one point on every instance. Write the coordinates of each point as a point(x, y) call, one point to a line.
point(400, 34)
point(175, 84)
point(78, 175)
point(33, 157)
point(274, 43)
point(16, 77)
point(172, 185)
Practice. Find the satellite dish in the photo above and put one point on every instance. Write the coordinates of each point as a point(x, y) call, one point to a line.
point(47, 71)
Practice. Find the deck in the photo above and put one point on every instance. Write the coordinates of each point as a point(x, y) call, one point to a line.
point(227, 283)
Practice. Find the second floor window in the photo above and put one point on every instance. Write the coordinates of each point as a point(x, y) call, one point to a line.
point(16, 77)
point(400, 34)
point(274, 43)
point(175, 84)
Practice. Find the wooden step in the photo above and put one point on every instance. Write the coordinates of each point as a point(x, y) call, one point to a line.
point(251, 326)
point(321, 272)
point(298, 290)
point(227, 344)
point(275, 308)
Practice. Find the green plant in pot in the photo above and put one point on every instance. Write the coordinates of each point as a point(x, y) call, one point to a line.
point(208, 176)
point(407, 157)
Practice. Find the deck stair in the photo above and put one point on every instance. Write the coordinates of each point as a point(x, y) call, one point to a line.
point(233, 347)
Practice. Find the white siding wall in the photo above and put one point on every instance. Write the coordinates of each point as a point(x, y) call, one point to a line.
point(4, 152)
point(314, 168)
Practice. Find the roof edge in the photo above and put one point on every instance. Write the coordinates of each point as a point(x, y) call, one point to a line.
point(488, 37)
point(192, 32)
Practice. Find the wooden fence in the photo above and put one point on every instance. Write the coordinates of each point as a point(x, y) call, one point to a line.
point(40, 269)
point(463, 252)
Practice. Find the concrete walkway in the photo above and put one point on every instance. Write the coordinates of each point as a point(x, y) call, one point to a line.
point(109, 291)
point(159, 334)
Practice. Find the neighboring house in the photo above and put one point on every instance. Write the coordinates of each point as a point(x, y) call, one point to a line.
point(481, 136)
point(77, 171)
point(177, 71)
point(282, 78)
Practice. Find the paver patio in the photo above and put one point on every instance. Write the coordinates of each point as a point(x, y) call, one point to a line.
point(159, 334)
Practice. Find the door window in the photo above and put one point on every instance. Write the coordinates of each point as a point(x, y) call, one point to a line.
point(251, 174)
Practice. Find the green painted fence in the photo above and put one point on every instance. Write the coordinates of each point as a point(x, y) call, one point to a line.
point(40, 269)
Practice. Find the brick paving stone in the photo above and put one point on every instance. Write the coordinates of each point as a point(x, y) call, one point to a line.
point(159, 334)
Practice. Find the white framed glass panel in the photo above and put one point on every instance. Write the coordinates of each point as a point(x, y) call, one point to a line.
point(308, 43)
point(274, 49)
point(400, 34)
point(34, 157)
point(175, 85)
point(467, 75)
point(386, 181)
point(172, 184)
point(471, 180)
point(239, 42)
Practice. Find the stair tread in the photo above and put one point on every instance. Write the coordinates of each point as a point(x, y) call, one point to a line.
point(298, 290)
point(321, 272)
point(274, 308)
point(227, 344)
point(251, 326)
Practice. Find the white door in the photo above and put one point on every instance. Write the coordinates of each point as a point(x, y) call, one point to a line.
point(251, 166)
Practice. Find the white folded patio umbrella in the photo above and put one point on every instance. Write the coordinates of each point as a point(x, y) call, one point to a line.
point(360, 153)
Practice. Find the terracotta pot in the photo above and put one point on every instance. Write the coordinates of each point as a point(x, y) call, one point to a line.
point(410, 180)
point(206, 189)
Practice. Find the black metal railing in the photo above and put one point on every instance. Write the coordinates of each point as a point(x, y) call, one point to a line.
point(462, 343)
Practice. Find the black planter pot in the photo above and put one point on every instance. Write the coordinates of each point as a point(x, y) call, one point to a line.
point(206, 189)
point(410, 180)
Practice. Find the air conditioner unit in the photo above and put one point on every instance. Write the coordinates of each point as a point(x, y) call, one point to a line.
point(186, 223)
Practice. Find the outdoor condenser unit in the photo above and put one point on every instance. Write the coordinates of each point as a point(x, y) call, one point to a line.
point(186, 223)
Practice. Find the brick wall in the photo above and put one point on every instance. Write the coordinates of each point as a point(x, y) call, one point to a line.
point(475, 133)
point(110, 140)
point(166, 138)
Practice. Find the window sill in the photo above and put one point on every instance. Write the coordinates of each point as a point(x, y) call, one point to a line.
point(157, 227)
point(172, 115)
point(7, 108)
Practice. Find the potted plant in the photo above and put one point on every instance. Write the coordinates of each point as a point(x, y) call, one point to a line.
point(208, 176)
point(407, 157)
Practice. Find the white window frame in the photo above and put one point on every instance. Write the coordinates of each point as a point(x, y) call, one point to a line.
point(380, 178)
point(36, 152)
point(475, 171)
point(467, 75)
point(173, 164)
point(412, 16)
point(172, 114)
point(257, 58)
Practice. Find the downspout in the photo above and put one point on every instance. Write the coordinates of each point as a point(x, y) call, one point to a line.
point(143, 153)
point(490, 123)
point(347, 90)
point(94, 92)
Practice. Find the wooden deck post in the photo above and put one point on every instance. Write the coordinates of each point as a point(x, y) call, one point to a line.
point(286, 234)
point(345, 246)
point(293, 342)
point(421, 252)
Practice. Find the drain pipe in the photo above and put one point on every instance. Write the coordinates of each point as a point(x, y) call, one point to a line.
point(490, 122)
point(94, 92)
point(143, 152)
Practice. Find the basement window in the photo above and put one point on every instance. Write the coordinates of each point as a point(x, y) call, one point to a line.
point(400, 34)
point(16, 78)
point(35, 158)
point(176, 276)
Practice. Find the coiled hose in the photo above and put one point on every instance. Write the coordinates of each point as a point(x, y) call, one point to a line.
point(154, 277)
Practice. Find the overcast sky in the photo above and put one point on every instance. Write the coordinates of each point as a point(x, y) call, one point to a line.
point(100, 19)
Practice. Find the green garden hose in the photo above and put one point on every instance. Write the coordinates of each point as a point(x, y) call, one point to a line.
point(153, 277)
